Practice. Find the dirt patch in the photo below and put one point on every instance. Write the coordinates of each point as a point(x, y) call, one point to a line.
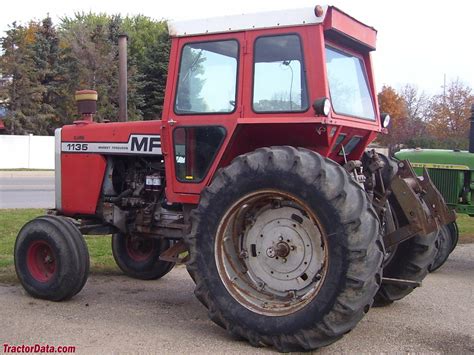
point(466, 239)
point(8, 276)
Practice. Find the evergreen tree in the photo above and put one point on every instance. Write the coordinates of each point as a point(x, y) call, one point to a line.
point(24, 91)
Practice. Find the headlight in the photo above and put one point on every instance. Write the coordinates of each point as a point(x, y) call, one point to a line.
point(322, 106)
point(385, 119)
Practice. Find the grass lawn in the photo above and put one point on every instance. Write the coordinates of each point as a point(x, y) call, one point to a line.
point(466, 228)
point(11, 221)
point(102, 261)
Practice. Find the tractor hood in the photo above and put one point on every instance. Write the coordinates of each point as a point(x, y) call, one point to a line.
point(81, 154)
point(124, 138)
point(438, 158)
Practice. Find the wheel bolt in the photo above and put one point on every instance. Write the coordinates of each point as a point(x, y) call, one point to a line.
point(271, 252)
point(244, 254)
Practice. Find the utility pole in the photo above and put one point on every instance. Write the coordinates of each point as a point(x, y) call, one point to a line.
point(444, 89)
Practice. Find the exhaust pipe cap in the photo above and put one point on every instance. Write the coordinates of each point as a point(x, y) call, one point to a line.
point(86, 102)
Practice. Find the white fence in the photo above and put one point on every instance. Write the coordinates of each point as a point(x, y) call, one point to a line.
point(26, 152)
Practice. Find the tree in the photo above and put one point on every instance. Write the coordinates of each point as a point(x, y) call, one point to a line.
point(92, 40)
point(394, 104)
point(450, 112)
point(149, 49)
point(91, 50)
point(46, 52)
point(417, 107)
point(47, 64)
point(23, 93)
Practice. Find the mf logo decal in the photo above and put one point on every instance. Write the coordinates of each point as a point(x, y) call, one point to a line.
point(145, 143)
point(139, 144)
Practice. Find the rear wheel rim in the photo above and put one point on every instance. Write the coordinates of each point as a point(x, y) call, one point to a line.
point(41, 261)
point(139, 249)
point(271, 252)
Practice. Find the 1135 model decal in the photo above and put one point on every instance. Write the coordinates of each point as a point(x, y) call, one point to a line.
point(137, 144)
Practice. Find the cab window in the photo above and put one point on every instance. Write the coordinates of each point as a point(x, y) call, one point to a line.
point(195, 149)
point(348, 85)
point(207, 81)
point(279, 76)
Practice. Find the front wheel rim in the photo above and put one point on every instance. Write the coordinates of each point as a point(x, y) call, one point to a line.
point(41, 261)
point(271, 252)
point(139, 249)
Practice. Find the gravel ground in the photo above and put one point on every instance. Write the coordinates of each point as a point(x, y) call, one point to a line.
point(114, 314)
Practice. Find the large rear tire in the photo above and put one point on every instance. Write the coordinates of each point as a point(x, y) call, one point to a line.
point(139, 257)
point(443, 246)
point(454, 233)
point(51, 258)
point(411, 261)
point(285, 249)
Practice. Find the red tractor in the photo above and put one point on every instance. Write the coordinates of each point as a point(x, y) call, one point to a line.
point(257, 177)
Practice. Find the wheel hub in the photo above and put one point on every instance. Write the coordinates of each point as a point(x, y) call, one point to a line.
point(290, 260)
point(281, 250)
point(139, 248)
point(40, 261)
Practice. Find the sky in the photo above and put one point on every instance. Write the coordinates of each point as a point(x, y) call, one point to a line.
point(418, 42)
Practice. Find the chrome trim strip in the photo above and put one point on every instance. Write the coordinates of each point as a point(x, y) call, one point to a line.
point(57, 168)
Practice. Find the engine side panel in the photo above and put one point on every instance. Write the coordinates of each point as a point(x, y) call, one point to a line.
point(82, 176)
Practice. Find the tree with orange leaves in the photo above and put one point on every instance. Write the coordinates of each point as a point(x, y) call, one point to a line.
point(392, 103)
point(449, 114)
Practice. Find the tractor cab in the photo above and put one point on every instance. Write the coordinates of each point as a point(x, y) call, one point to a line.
point(299, 77)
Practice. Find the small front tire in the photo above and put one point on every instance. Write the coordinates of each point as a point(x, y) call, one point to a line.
point(51, 258)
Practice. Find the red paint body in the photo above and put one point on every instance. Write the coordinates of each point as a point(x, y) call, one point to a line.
point(82, 174)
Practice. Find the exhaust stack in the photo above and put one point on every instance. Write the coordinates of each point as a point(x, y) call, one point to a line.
point(471, 131)
point(122, 43)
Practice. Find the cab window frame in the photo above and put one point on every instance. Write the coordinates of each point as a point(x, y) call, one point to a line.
point(206, 172)
point(237, 78)
point(347, 51)
point(304, 74)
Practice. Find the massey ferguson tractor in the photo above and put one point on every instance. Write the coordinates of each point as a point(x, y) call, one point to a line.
point(256, 177)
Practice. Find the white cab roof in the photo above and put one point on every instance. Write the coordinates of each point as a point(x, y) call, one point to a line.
point(234, 23)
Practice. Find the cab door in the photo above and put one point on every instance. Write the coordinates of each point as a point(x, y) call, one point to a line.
point(202, 110)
